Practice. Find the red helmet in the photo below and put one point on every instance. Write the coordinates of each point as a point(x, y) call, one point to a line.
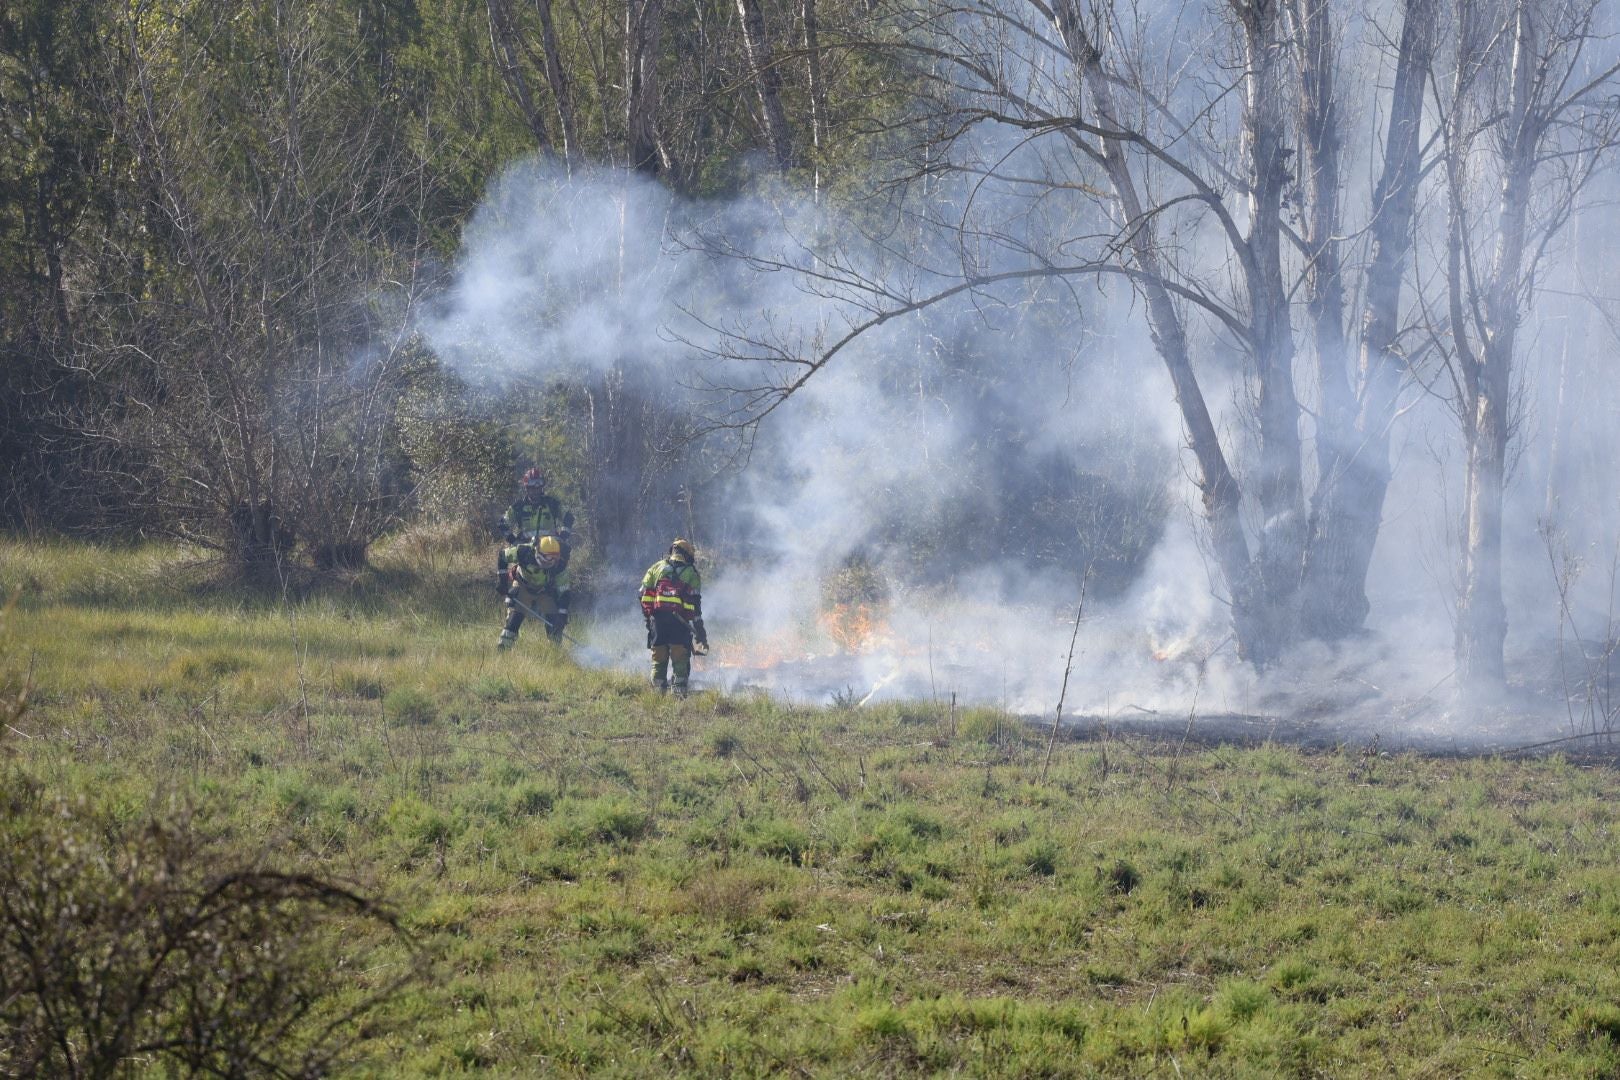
point(534, 478)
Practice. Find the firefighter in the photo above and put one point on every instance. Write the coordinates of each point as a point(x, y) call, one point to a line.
point(536, 514)
point(534, 581)
point(672, 604)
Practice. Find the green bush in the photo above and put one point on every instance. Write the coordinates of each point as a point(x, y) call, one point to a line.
point(409, 706)
point(776, 839)
point(606, 820)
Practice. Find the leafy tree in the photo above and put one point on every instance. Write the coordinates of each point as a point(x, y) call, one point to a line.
point(255, 364)
point(59, 170)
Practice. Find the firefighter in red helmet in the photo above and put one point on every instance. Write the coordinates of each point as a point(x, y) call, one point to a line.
point(536, 514)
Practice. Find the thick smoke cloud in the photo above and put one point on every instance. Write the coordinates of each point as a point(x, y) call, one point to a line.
point(558, 276)
point(920, 433)
point(900, 484)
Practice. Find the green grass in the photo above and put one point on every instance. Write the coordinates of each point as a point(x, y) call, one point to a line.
point(608, 882)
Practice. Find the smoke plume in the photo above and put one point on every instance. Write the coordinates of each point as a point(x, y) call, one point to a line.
point(923, 517)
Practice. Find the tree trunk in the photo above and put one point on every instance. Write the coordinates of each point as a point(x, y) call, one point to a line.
point(1349, 500)
point(1559, 433)
point(1278, 486)
point(1222, 497)
point(1320, 151)
point(814, 86)
point(643, 27)
point(503, 39)
point(557, 77)
point(767, 82)
point(1481, 613)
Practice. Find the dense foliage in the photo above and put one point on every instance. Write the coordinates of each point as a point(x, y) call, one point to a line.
point(219, 223)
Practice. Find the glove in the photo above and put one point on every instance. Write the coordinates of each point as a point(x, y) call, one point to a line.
point(699, 633)
point(500, 582)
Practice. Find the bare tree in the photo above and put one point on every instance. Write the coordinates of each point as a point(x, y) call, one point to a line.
point(1182, 182)
point(1357, 416)
point(643, 29)
point(1139, 231)
point(557, 76)
point(815, 83)
point(512, 42)
point(504, 41)
point(254, 376)
point(1529, 115)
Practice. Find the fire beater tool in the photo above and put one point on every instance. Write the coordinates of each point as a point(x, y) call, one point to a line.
point(566, 636)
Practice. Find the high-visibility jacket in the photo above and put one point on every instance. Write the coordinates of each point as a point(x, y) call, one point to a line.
point(526, 520)
point(674, 587)
point(521, 567)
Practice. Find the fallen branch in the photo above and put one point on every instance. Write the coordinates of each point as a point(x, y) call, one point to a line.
point(1057, 718)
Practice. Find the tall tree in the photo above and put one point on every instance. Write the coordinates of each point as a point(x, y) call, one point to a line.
point(767, 81)
point(504, 41)
point(643, 30)
point(1358, 407)
point(252, 367)
point(59, 196)
point(1182, 182)
point(1530, 114)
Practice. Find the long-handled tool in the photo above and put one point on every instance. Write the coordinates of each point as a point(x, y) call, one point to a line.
point(565, 635)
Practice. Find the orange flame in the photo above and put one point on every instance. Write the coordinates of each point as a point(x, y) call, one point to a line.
point(1174, 649)
point(854, 627)
point(762, 652)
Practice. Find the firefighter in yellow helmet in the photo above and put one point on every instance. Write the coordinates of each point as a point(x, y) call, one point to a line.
point(672, 604)
point(533, 579)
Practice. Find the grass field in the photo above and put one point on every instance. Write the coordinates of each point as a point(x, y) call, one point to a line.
point(603, 881)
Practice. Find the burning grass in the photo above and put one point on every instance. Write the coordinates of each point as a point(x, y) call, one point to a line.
point(857, 627)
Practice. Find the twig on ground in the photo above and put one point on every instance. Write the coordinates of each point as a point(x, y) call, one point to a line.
point(1068, 668)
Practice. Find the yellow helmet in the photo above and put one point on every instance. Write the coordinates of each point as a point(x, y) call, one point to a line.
point(549, 549)
point(684, 547)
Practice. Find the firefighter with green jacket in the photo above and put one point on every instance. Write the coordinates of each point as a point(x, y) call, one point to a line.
point(672, 605)
point(533, 578)
point(536, 514)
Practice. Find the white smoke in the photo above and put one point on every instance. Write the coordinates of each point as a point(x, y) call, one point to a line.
point(596, 271)
point(564, 274)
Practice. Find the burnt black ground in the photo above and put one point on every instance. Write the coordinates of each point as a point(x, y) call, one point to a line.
point(1556, 703)
point(1448, 731)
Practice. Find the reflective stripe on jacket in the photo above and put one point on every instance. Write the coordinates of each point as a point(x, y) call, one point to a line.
point(529, 519)
point(673, 587)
